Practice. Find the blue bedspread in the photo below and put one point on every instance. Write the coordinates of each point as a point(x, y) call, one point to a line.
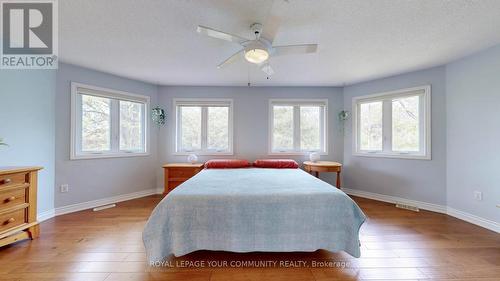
point(246, 210)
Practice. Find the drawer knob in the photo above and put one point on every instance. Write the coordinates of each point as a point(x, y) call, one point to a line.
point(11, 220)
point(10, 199)
point(5, 181)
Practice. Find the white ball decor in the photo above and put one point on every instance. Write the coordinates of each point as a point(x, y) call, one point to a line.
point(192, 158)
point(314, 156)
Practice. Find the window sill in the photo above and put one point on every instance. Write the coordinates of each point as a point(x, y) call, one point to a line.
point(200, 153)
point(394, 156)
point(292, 153)
point(108, 155)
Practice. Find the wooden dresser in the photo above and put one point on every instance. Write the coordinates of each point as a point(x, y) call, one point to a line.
point(177, 173)
point(18, 187)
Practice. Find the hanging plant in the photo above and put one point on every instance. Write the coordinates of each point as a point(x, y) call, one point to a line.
point(343, 116)
point(158, 115)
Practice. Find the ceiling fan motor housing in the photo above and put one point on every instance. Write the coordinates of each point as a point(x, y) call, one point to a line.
point(256, 28)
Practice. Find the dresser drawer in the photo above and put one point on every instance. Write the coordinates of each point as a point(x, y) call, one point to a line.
point(12, 219)
point(12, 179)
point(181, 172)
point(12, 198)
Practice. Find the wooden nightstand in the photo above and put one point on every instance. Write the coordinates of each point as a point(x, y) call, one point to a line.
point(177, 173)
point(324, 166)
point(18, 188)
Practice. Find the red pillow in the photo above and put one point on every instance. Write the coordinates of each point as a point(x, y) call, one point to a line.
point(276, 163)
point(227, 164)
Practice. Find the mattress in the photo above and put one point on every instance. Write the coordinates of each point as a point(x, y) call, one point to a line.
point(254, 209)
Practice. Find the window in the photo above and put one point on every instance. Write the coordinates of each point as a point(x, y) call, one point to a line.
point(107, 123)
point(297, 126)
point(370, 129)
point(204, 127)
point(395, 124)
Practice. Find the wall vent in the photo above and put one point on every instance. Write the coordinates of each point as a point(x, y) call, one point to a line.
point(407, 207)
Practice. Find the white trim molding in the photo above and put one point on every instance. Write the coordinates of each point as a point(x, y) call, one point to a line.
point(491, 225)
point(393, 199)
point(159, 190)
point(203, 103)
point(115, 97)
point(296, 104)
point(48, 214)
point(485, 223)
point(45, 215)
point(386, 100)
point(482, 222)
point(105, 201)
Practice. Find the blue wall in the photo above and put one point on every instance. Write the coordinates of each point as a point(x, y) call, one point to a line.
point(421, 180)
point(35, 121)
point(251, 122)
point(27, 112)
point(92, 179)
point(473, 133)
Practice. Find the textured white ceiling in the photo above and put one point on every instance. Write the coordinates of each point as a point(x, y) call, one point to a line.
point(359, 40)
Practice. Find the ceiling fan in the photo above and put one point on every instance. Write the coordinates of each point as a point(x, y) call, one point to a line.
point(260, 49)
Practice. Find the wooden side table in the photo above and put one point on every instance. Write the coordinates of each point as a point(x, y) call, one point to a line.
point(324, 166)
point(177, 173)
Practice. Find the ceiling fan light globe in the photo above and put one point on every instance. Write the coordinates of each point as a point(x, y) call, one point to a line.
point(256, 55)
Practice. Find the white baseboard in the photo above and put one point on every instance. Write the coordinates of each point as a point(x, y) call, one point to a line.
point(491, 225)
point(488, 224)
point(393, 199)
point(100, 202)
point(45, 215)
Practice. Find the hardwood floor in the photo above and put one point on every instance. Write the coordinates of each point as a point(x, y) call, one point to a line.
point(396, 245)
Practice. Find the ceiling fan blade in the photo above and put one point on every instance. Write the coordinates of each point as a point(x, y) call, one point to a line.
point(295, 49)
point(270, 27)
point(220, 35)
point(231, 59)
point(267, 69)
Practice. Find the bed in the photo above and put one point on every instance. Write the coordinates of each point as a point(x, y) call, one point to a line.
point(253, 209)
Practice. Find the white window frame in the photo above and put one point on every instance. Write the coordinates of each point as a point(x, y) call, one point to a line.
point(386, 99)
point(75, 150)
point(296, 103)
point(204, 103)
